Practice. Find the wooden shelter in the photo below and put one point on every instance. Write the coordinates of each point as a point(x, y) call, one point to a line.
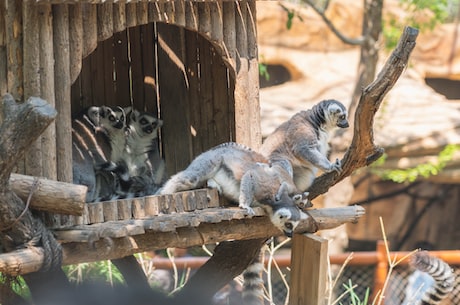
point(192, 62)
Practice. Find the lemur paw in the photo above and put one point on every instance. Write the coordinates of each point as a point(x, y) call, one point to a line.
point(301, 200)
point(336, 166)
point(248, 209)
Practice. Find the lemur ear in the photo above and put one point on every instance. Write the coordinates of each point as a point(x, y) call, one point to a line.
point(283, 189)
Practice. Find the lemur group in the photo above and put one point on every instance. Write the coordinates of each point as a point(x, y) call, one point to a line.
point(116, 154)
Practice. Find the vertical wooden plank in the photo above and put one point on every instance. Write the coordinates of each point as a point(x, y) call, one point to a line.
point(48, 144)
point(253, 77)
point(76, 40)
point(62, 92)
point(308, 270)
point(168, 9)
point(121, 66)
point(14, 50)
point(33, 156)
point(193, 96)
point(142, 13)
point(98, 74)
point(104, 21)
point(229, 31)
point(108, 69)
point(119, 17)
point(179, 13)
point(89, 21)
point(206, 105)
point(3, 57)
point(242, 115)
point(173, 86)
point(131, 14)
point(191, 15)
point(138, 207)
point(86, 81)
point(137, 73)
point(154, 12)
point(110, 209)
point(217, 21)
point(204, 19)
point(124, 209)
point(222, 103)
point(148, 60)
point(95, 212)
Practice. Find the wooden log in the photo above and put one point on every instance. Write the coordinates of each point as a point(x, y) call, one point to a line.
point(14, 50)
point(142, 13)
point(217, 21)
point(165, 231)
point(104, 21)
point(154, 12)
point(75, 40)
point(229, 32)
point(3, 57)
point(119, 17)
point(253, 77)
point(48, 138)
point(49, 195)
point(191, 15)
point(309, 259)
point(242, 115)
point(131, 14)
point(168, 8)
point(89, 21)
point(31, 49)
point(204, 19)
point(179, 13)
point(63, 84)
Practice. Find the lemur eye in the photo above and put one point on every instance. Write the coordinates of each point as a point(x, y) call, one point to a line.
point(288, 225)
point(143, 121)
point(342, 117)
point(111, 118)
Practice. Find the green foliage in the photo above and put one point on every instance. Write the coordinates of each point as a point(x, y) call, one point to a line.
point(263, 71)
point(349, 289)
point(424, 170)
point(433, 12)
point(17, 284)
point(290, 13)
point(98, 271)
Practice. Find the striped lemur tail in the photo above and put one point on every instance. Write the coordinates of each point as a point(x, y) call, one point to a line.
point(440, 271)
point(253, 284)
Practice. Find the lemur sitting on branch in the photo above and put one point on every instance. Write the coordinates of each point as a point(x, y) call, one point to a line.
point(243, 175)
point(303, 141)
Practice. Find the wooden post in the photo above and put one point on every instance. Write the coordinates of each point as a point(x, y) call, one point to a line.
point(3, 58)
point(31, 51)
point(308, 270)
point(63, 92)
point(89, 28)
point(76, 40)
point(104, 21)
point(48, 138)
point(381, 270)
point(14, 50)
point(119, 17)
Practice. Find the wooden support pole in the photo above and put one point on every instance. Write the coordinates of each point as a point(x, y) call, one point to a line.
point(3, 57)
point(50, 195)
point(31, 49)
point(119, 17)
point(381, 270)
point(75, 40)
point(104, 21)
point(308, 270)
point(14, 50)
point(89, 28)
point(63, 92)
point(48, 138)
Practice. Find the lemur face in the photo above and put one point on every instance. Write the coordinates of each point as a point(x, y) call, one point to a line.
point(144, 124)
point(112, 120)
point(282, 219)
point(93, 114)
point(337, 114)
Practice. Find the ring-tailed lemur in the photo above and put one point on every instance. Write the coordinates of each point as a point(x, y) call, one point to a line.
point(141, 169)
point(243, 175)
point(303, 141)
point(440, 272)
point(87, 150)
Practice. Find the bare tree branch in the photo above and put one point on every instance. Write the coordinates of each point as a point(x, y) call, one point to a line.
point(352, 41)
point(362, 150)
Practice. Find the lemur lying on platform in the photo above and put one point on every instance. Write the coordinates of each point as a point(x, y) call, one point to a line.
point(242, 175)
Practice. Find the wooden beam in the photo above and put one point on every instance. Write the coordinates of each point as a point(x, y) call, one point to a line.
point(52, 196)
point(308, 270)
point(118, 239)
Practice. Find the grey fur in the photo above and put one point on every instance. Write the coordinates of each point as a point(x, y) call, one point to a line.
point(243, 175)
point(303, 141)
